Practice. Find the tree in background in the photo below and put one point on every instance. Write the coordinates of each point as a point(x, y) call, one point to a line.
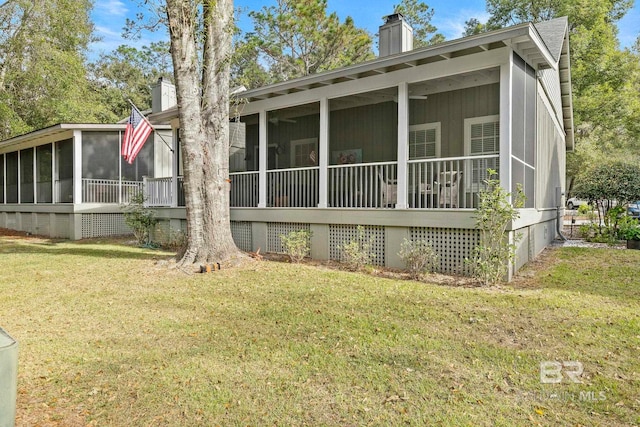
point(42, 73)
point(296, 38)
point(604, 77)
point(130, 73)
point(418, 15)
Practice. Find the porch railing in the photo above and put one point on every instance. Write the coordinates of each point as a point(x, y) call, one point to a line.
point(159, 192)
point(369, 185)
point(244, 189)
point(109, 190)
point(296, 187)
point(453, 182)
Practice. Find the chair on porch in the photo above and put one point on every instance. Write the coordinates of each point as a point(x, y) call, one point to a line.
point(449, 189)
point(388, 191)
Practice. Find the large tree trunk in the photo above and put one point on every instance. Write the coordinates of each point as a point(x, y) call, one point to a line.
point(202, 86)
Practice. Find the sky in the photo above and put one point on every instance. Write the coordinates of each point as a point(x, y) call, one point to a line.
point(109, 17)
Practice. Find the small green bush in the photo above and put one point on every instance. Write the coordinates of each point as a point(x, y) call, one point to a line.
point(495, 252)
point(139, 218)
point(356, 253)
point(419, 257)
point(296, 244)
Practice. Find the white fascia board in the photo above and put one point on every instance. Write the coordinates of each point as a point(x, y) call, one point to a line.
point(440, 49)
point(463, 64)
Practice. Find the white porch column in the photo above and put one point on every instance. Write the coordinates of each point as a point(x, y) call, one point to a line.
point(19, 177)
point(54, 175)
point(35, 176)
point(323, 153)
point(4, 180)
point(175, 168)
point(77, 167)
point(403, 143)
point(262, 163)
point(506, 91)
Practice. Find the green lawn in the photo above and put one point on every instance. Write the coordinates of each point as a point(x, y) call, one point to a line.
point(110, 336)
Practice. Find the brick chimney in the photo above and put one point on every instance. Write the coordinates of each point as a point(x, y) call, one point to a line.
point(395, 35)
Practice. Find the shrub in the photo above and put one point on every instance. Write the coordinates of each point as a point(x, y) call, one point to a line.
point(419, 257)
point(296, 244)
point(628, 228)
point(357, 252)
point(494, 253)
point(140, 219)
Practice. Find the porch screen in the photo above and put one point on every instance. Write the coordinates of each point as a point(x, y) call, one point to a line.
point(1, 178)
point(26, 176)
point(44, 190)
point(64, 171)
point(482, 137)
point(12, 177)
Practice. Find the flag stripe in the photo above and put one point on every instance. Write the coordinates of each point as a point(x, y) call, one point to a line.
point(135, 135)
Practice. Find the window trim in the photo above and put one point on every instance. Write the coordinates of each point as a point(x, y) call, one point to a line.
point(471, 186)
point(426, 126)
point(303, 141)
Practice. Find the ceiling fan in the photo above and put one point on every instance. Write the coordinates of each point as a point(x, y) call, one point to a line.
point(276, 121)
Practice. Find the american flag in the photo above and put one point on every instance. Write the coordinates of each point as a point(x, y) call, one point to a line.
point(137, 132)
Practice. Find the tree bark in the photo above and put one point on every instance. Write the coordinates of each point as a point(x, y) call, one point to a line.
point(200, 34)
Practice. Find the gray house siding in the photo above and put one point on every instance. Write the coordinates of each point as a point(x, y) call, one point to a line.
point(451, 108)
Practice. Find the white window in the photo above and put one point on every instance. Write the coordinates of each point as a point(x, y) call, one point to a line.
point(424, 141)
point(304, 152)
point(481, 137)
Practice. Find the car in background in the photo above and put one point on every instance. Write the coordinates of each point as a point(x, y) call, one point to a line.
point(575, 203)
point(633, 209)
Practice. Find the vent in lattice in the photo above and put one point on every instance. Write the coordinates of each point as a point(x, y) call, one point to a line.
point(342, 234)
point(451, 244)
point(276, 229)
point(241, 232)
point(101, 225)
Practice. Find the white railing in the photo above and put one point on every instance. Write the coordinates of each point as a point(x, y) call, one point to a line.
point(365, 185)
point(296, 187)
point(448, 183)
point(158, 191)
point(244, 189)
point(109, 190)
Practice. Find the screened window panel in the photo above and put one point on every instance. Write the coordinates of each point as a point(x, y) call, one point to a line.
point(304, 152)
point(1, 178)
point(12, 177)
point(26, 176)
point(64, 171)
point(100, 152)
point(44, 184)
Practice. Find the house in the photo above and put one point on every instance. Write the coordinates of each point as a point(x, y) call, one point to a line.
point(400, 145)
point(68, 180)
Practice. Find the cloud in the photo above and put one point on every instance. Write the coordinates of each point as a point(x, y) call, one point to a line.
point(110, 8)
point(452, 24)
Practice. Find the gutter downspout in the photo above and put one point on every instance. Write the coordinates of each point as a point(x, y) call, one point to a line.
point(559, 195)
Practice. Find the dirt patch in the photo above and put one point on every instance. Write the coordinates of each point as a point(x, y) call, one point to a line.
point(378, 271)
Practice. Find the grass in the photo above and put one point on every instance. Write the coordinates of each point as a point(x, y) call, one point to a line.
point(110, 336)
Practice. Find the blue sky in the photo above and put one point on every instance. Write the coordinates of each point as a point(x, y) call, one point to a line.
point(109, 17)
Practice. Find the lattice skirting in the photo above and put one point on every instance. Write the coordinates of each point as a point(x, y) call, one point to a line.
point(242, 235)
point(343, 234)
point(451, 244)
point(101, 225)
point(276, 229)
